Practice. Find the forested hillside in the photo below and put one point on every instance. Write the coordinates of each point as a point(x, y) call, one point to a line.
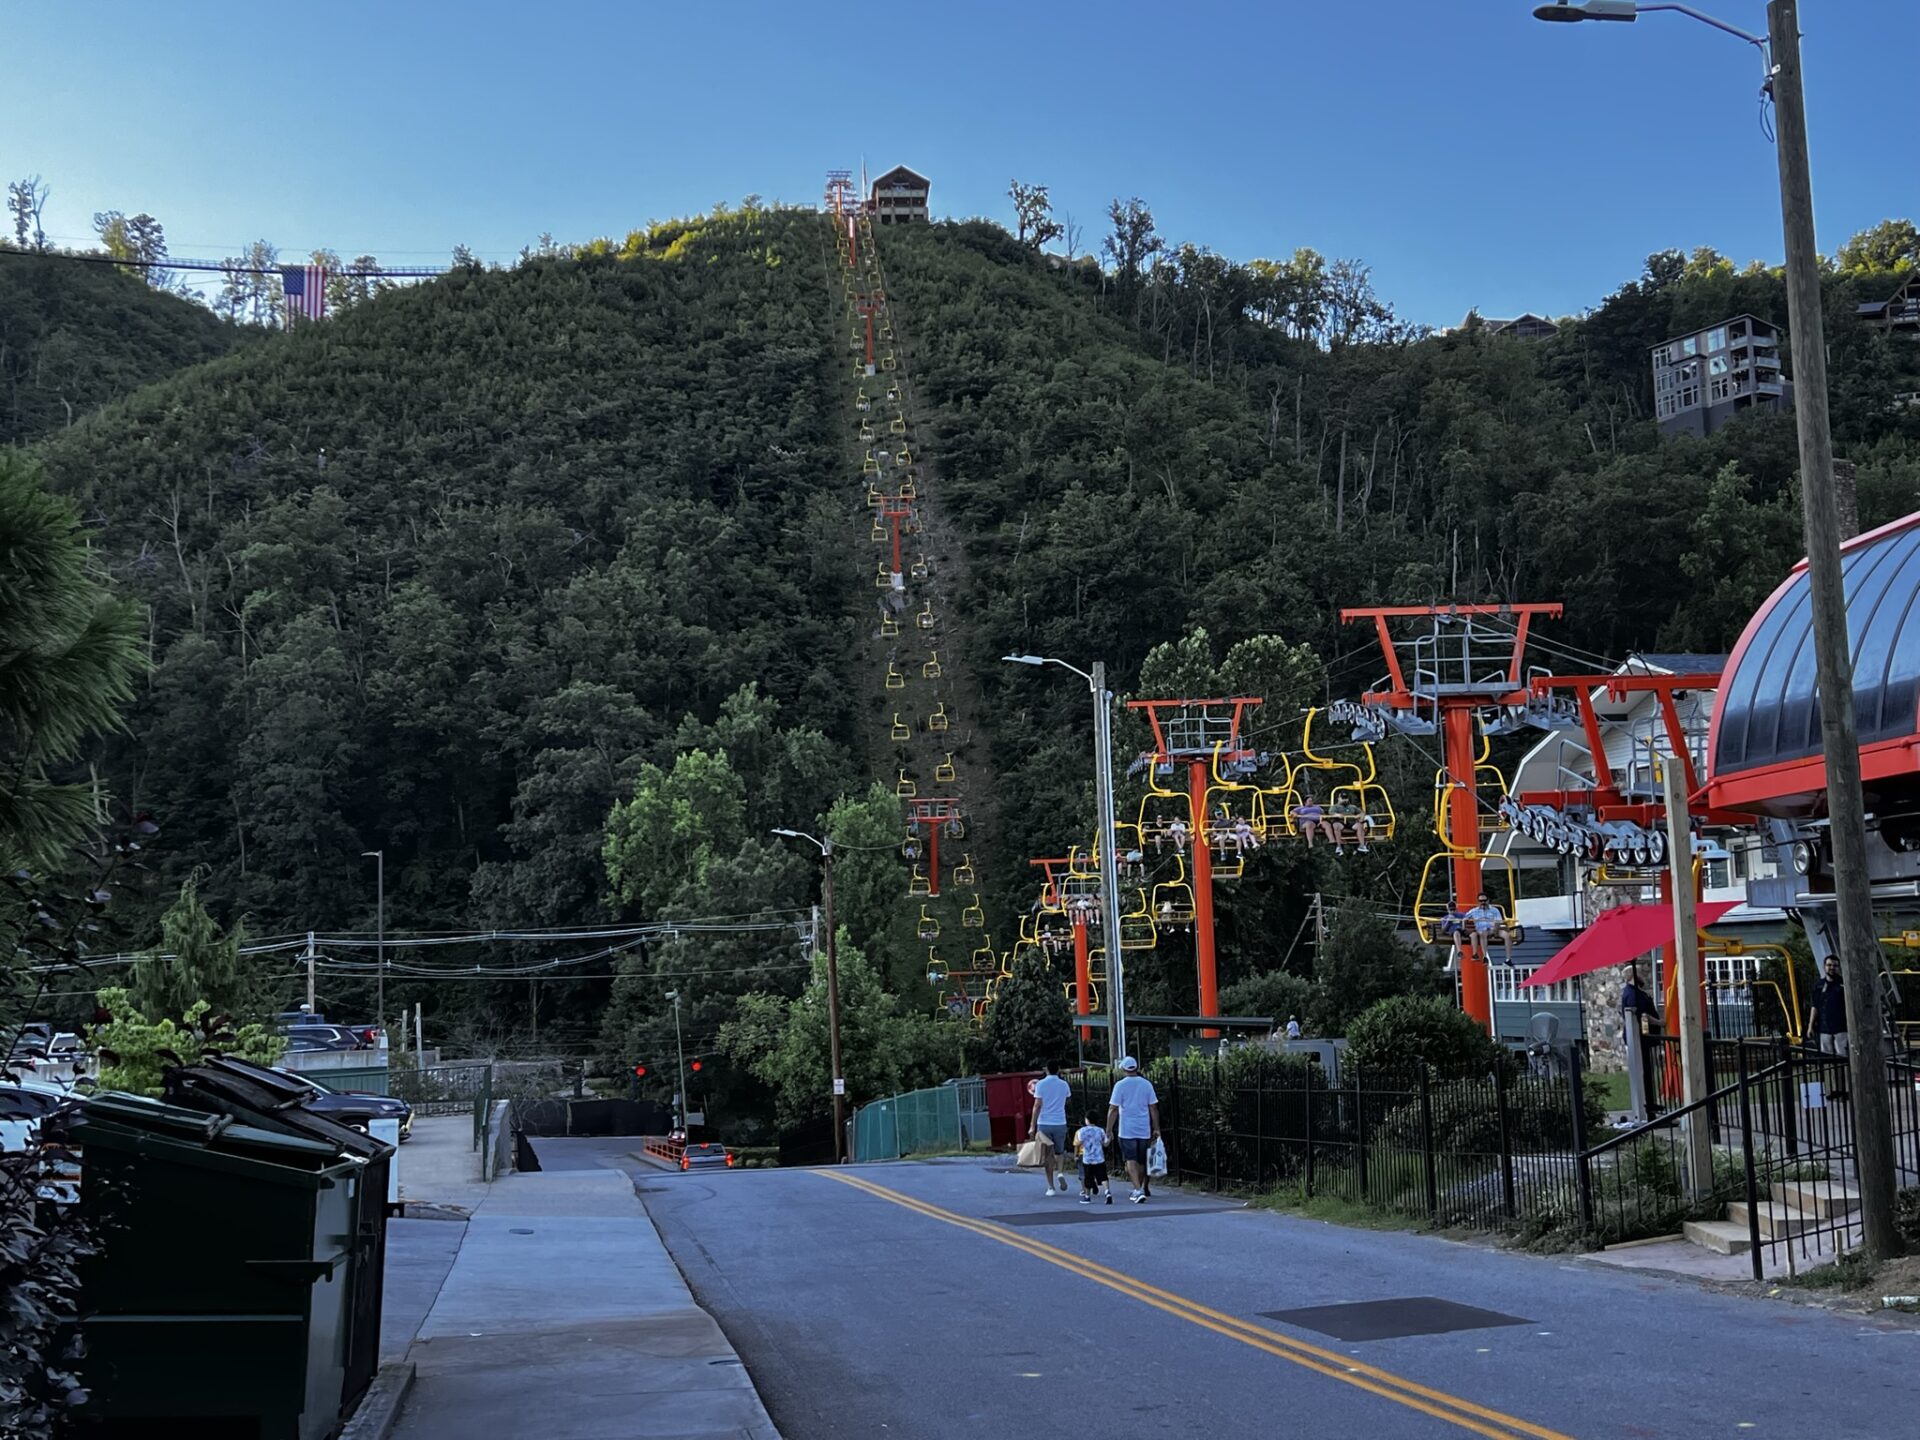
point(1182, 444)
point(75, 335)
point(541, 582)
point(442, 576)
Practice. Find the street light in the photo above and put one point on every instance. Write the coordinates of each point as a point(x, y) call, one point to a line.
point(1858, 944)
point(681, 1050)
point(1110, 869)
point(380, 912)
point(833, 989)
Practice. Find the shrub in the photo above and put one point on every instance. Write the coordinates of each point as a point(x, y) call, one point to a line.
point(1906, 1215)
point(1403, 1030)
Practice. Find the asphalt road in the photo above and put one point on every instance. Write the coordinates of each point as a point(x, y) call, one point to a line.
point(950, 1298)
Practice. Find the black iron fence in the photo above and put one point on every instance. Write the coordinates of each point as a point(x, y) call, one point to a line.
point(1765, 1159)
point(451, 1089)
point(1488, 1152)
point(1763, 1164)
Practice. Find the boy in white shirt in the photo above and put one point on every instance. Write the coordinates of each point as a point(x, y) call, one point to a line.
point(1091, 1141)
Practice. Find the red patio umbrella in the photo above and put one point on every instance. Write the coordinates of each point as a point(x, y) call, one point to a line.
point(1618, 935)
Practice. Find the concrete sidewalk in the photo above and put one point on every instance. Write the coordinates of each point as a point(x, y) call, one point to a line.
point(563, 1317)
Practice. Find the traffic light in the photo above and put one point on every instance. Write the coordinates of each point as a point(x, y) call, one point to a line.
point(640, 1072)
point(695, 1067)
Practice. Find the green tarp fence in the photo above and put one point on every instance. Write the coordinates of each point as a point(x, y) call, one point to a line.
point(908, 1124)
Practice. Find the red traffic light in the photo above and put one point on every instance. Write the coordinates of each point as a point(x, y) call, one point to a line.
point(695, 1066)
point(639, 1072)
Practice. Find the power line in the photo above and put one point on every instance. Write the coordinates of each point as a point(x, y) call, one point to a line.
point(221, 267)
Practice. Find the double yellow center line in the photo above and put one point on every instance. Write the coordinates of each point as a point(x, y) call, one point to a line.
point(1437, 1403)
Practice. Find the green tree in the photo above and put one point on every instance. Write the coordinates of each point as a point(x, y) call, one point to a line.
point(1030, 1021)
point(1892, 245)
point(784, 1044)
point(1131, 247)
point(26, 199)
point(1403, 1030)
point(136, 1052)
point(198, 961)
point(1275, 994)
point(672, 828)
point(1033, 214)
point(1364, 962)
point(68, 655)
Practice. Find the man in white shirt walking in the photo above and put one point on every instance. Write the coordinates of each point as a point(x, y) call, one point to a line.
point(1133, 1118)
point(1050, 1096)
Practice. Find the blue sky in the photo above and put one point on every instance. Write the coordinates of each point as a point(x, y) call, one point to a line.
point(1471, 155)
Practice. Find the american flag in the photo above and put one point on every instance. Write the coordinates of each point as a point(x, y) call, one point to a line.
point(305, 287)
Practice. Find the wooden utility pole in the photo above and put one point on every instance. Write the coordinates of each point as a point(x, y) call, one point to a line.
point(1696, 1129)
point(1846, 808)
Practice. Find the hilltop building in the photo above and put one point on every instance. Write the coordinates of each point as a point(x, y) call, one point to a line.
point(1899, 313)
point(1704, 381)
point(899, 197)
point(1522, 327)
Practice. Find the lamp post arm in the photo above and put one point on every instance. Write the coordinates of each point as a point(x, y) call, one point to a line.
point(1759, 41)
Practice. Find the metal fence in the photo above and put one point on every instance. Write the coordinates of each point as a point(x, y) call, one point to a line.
point(450, 1089)
point(1484, 1152)
point(1766, 1157)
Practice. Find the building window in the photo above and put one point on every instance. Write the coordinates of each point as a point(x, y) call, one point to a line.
point(1717, 365)
point(1689, 346)
point(1717, 338)
point(1722, 389)
point(1689, 397)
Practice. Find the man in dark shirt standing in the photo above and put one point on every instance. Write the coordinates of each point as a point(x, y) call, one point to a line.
point(1829, 1014)
point(1828, 1020)
point(1640, 1018)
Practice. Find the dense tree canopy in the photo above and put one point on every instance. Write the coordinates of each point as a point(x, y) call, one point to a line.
point(540, 581)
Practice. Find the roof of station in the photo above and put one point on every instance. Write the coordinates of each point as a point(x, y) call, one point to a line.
point(1765, 750)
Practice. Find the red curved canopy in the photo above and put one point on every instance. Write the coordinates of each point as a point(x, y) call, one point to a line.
point(1617, 936)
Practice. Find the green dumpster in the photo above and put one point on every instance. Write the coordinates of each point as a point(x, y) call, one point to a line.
point(220, 1294)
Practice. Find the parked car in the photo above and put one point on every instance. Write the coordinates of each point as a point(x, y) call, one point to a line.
point(24, 1108)
point(23, 1105)
point(352, 1107)
point(703, 1153)
point(328, 1037)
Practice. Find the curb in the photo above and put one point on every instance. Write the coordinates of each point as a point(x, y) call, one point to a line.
point(379, 1409)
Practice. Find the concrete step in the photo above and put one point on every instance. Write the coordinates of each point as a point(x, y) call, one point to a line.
point(1776, 1221)
point(1719, 1235)
point(1824, 1198)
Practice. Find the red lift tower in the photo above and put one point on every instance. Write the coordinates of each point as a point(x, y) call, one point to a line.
point(936, 814)
point(1458, 672)
point(1200, 734)
point(896, 510)
point(1066, 890)
point(1601, 822)
point(866, 305)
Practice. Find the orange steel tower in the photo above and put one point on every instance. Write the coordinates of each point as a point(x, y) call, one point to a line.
point(1079, 896)
point(1458, 673)
point(1200, 734)
point(935, 813)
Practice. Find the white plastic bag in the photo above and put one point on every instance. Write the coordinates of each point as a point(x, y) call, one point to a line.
point(1157, 1159)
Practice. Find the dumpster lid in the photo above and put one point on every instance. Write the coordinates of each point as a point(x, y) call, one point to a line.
point(214, 1132)
point(229, 1082)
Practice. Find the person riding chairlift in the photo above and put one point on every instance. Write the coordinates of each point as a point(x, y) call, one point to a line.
point(1347, 822)
point(1486, 919)
point(1307, 817)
